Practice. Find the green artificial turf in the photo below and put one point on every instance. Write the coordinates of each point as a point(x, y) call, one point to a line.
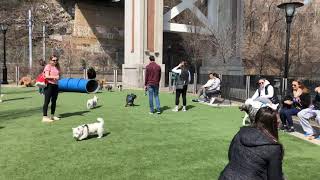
point(177, 146)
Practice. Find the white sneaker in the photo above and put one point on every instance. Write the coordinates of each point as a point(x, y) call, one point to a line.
point(184, 109)
point(46, 119)
point(176, 109)
point(54, 118)
point(212, 100)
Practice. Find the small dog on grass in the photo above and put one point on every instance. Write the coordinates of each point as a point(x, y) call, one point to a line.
point(1, 98)
point(109, 87)
point(92, 103)
point(83, 131)
point(130, 99)
point(120, 87)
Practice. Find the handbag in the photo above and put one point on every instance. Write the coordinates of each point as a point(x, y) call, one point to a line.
point(41, 81)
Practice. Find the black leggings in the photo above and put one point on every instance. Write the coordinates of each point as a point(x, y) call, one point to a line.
point(184, 95)
point(50, 93)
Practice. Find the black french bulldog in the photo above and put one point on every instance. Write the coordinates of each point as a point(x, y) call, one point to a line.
point(130, 99)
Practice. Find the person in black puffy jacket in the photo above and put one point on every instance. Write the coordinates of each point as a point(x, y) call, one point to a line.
point(255, 152)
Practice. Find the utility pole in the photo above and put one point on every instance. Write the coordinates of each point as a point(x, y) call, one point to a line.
point(44, 42)
point(30, 40)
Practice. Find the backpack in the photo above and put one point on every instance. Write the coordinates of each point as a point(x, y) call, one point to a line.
point(273, 99)
point(182, 79)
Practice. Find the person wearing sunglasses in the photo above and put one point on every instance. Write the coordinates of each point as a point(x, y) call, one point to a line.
point(265, 92)
point(52, 75)
point(293, 104)
point(263, 97)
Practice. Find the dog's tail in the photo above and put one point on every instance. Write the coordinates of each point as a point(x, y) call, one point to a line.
point(100, 120)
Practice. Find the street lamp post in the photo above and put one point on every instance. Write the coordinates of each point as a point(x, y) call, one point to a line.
point(290, 9)
point(4, 28)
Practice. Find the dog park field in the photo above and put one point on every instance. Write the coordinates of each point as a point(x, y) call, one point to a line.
point(136, 145)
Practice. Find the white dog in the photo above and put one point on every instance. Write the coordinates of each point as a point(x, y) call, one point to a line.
point(1, 96)
point(83, 131)
point(92, 103)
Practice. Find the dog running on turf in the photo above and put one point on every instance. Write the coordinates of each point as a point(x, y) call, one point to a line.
point(92, 103)
point(130, 99)
point(83, 131)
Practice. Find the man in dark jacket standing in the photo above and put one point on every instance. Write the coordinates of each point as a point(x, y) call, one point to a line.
point(152, 79)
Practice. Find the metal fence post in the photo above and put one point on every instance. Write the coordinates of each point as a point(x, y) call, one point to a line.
point(115, 77)
point(17, 75)
point(247, 87)
point(170, 81)
point(195, 75)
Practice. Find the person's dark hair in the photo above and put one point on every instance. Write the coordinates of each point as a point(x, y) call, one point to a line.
point(151, 58)
point(215, 75)
point(42, 62)
point(266, 119)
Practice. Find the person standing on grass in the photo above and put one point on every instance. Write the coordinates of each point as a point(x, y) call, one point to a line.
point(152, 79)
point(182, 81)
point(52, 75)
point(255, 152)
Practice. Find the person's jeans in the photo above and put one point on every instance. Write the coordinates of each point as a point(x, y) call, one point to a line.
point(153, 92)
point(286, 115)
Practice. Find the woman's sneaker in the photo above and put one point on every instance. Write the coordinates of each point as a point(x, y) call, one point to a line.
point(184, 109)
point(46, 119)
point(55, 118)
point(176, 109)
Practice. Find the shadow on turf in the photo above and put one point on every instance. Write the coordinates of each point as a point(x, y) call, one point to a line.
point(20, 92)
point(79, 113)
point(14, 99)
point(164, 108)
point(190, 106)
point(1, 127)
point(18, 113)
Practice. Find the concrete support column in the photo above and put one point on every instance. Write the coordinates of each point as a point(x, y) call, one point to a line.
point(225, 15)
point(143, 38)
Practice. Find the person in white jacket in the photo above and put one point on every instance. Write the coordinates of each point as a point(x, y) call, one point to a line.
point(264, 96)
point(265, 92)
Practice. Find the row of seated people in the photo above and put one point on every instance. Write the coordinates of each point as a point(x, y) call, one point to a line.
point(298, 102)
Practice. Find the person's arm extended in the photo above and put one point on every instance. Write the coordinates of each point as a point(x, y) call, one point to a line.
point(275, 165)
point(176, 69)
point(208, 84)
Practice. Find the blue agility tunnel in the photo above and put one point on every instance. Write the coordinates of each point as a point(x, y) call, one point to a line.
point(78, 85)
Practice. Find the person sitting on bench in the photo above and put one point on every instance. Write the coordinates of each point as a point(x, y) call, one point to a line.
point(212, 87)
